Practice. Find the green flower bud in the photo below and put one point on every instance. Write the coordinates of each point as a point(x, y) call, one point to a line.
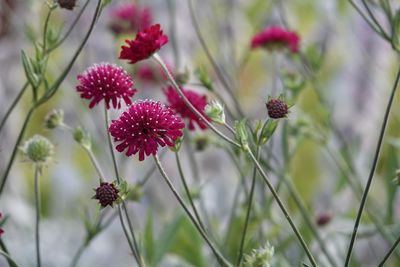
point(38, 149)
point(215, 111)
point(54, 118)
point(82, 138)
point(261, 257)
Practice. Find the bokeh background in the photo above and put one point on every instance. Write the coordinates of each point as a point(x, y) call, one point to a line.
point(356, 74)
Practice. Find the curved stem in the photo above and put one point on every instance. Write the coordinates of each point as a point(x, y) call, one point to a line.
point(158, 59)
point(187, 191)
point(283, 209)
point(389, 252)
point(215, 66)
point(8, 258)
point(95, 164)
point(78, 255)
point(14, 153)
point(217, 254)
point(70, 28)
point(37, 222)
point(371, 14)
point(249, 204)
point(3, 247)
point(110, 145)
point(372, 171)
point(13, 105)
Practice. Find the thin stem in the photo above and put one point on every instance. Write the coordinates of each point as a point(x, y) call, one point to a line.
point(151, 171)
point(3, 247)
point(13, 105)
point(78, 254)
point(211, 59)
point(372, 172)
point(249, 204)
point(187, 191)
point(95, 164)
point(283, 209)
point(389, 252)
point(70, 28)
point(371, 14)
point(158, 59)
point(46, 24)
point(370, 23)
point(37, 222)
point(217, 254)
point(110, 145)
point(131, 246)
point(8, 258)
point(14, 153)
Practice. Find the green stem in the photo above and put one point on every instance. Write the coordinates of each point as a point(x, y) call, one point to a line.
point(8, 258)
point(372, 16)
point(14, 153)
point(158, 59)
point(283, 209)
point(110, 145)
point(70, 28)
point(3, 247)
point(389, 252)
point(37, 222)
point(78, 254)
point(215, 66)
point(217, 254)
point(372, 171)
point(13, 105)
point(249, 204)
point(187, 191)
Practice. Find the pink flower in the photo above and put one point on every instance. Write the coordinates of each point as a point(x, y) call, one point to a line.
point(144, 126)
point(128, 18)
point(177, 104)
point(276, 37)
point(146, 43)
point(108, 82)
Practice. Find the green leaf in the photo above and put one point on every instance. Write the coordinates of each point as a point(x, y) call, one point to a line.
point(268, 130)
point(166, 239)
point(188, 244)
point(149, 238)
point(241, 133)
point(396, 31)
point(29, 72)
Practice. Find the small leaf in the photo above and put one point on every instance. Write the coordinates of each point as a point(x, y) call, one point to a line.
point(268, 129)
point(396, 31)
point(29, 73)
point(241, 133)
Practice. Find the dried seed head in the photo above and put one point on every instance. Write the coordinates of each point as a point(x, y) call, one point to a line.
point(38, 149)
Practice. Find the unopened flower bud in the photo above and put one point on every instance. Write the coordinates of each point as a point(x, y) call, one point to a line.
point(82, 138)
point(38, 149)
point(215, 111)
point(277, 108)
point(67, 4)
point(54, 118)
point(201, 142)
point(260, 257)
point(106, 194)
point(324, 218)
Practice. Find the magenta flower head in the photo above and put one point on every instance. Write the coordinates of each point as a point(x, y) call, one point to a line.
point(276, 38)
point(144, 126)
point(108, 82)
point(128, 18)
point(146, 43)
point(177, 104)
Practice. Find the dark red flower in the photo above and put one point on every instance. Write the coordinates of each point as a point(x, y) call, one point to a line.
point(128, 18)
point(144, 126)
point(177, 104)
point(146, 43)
point(276, 37)
point(108, 82)
point(324, 218)
point(106, 194)
point(277, 109)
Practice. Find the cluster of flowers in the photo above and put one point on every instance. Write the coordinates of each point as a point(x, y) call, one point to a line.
point(147, 124)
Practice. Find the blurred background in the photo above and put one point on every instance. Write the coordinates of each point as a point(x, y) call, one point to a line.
point(356, 70)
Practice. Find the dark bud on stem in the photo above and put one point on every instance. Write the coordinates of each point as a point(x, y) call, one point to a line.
point(106, 194)
point(67, 4)
point(324, 219)
point(277, 109)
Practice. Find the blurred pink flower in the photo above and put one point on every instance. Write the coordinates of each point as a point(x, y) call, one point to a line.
point(144, 126)
point(276, 37)
point(177, 104)
point(129, 18)
point(106, 81)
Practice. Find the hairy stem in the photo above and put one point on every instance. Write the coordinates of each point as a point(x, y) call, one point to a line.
point(37, 221)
